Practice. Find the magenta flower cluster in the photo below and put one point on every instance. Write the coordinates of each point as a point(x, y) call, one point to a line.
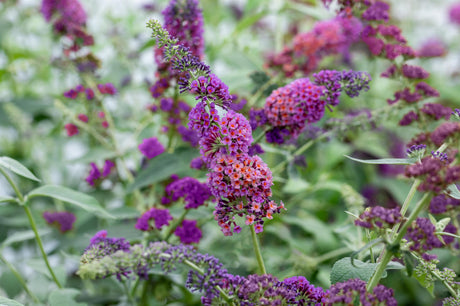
point(95, 174)
point(327, 37)
point(70, 21)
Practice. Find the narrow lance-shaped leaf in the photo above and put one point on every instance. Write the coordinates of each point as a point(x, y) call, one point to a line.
point(385, 161)
point(23, 236)
point(6, 199)
point(16, 167)
point(70, 196)
point(453, 191)
point(7, 302)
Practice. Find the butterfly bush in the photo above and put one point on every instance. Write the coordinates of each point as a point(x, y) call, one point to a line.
point(191, 148)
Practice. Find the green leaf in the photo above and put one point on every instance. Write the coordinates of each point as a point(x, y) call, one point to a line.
point(453, 191)
point(6, 199)
point(7, 302)
point(70, 196)
point(410, 263)
point(163, 166)
point(23, 236)
point(38, 265)
point(94, 154)
point(65, 296)
point(16, 167)
point(426, 282)
point(343, 270)
point(295, 185)
point(248, 21)
point(385, 161)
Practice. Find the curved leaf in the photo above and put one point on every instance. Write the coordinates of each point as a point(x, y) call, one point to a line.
point(16, 167)
point(24, 235)
point(7, 302)
point(385, 161)
point(6, 199)
point(344, 270)
point(70, 196)
point(453, 191)
point(163, 166)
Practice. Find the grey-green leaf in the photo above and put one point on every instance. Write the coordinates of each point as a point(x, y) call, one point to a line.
point(453, 191)
point(7, 302)
point(385, 161)
point(163, 166)
point(65, 296)
point(24, 235)
point(343, 270)
point(6, 199)
point(16, 167)
point(73, 197)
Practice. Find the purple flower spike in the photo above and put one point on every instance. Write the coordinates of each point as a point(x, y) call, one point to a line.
point(151, 147)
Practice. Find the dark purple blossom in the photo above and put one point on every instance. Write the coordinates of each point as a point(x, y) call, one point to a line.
point(151, 147)
point(191, 190)
point(211, 88)
point(415, 149)
point(408, 118)
point(197, 163)
point(421, 236)
point(188, 232)
point(94, 174)
point(379, 217)
point(414, 72)
point(161, 217)
point(432, 48)
point(444, 131)
point(442, 203)
point(354, 290)
point(63, 220)
point(436, 110)
point(183, 20)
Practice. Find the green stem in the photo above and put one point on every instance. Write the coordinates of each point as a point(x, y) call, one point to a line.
point(13, 185)
point(406, 204)
point(176, 224)
point(451, 290)
point(136, 285)
point(128, 293)
point(19, 278)
point(40, 244)
point(255, 243)
point(388, 254)
point(82, 125)
point(332, 254)
point(23, 203)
